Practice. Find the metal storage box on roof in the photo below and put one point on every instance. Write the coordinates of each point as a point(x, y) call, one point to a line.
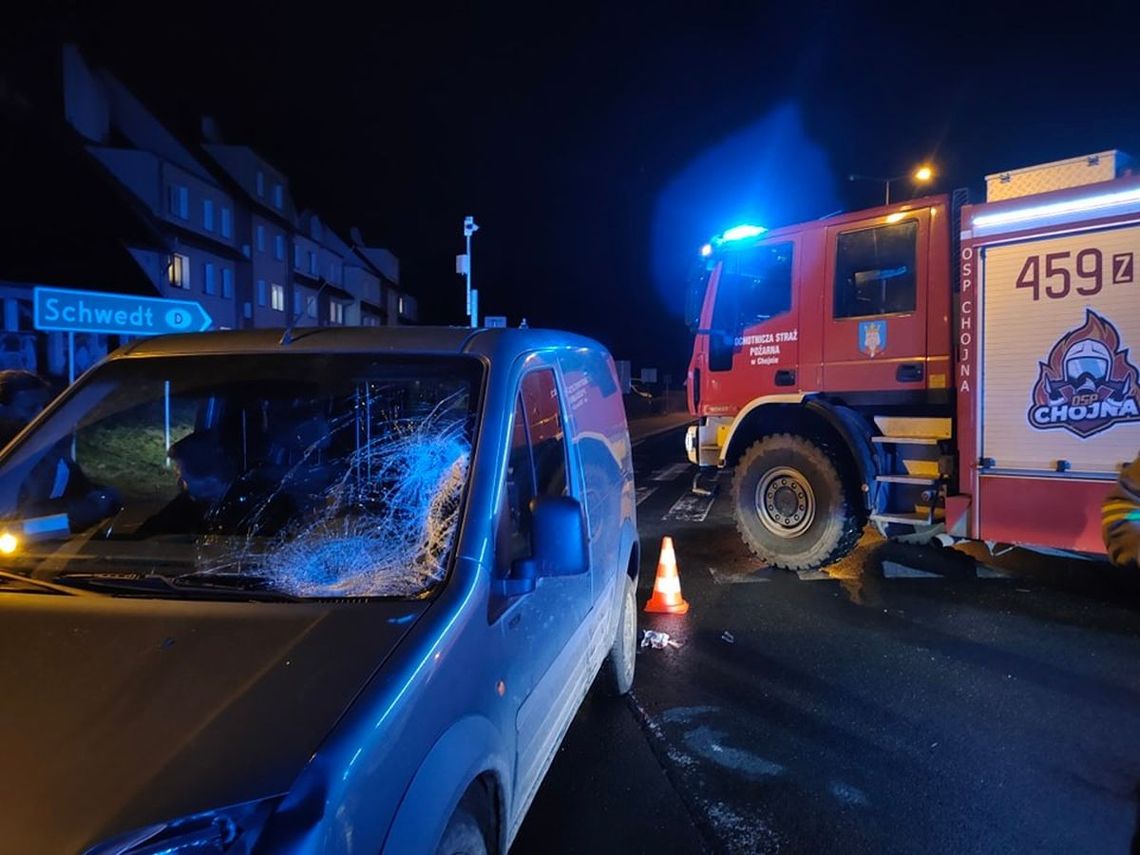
point(1071, 172)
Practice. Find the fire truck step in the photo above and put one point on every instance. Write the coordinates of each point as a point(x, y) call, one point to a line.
point(906, 440)
point(907, 519)
point(907, 479)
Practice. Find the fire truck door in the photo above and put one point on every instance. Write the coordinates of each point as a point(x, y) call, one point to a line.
point(875, 304)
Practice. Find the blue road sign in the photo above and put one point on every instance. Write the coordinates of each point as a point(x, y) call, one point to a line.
point(117, 314)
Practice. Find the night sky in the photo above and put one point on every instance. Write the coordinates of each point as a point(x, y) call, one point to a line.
point(598, 146)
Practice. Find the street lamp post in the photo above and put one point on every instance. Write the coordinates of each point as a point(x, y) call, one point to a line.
point(463, 267)
point(922, 175)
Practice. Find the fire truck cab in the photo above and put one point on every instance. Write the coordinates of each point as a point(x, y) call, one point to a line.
point(838, 366)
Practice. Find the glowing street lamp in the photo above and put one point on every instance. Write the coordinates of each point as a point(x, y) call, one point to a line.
point(922, 175)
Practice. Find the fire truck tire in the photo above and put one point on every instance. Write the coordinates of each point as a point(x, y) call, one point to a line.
point(794, 504)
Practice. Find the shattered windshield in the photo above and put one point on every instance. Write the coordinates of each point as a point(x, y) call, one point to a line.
point(331, 475)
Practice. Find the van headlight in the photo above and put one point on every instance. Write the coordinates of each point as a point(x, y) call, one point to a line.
point(231, 830)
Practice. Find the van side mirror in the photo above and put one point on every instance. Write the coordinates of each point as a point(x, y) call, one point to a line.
point(559, 545)
point(559, 537)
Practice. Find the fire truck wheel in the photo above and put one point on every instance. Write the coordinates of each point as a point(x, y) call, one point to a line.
point(793, 506)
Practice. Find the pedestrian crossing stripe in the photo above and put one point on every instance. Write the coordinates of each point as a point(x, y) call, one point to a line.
point(690, 508)
point(670, 473)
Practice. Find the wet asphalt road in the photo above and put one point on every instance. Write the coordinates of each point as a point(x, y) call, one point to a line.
point(882, 711)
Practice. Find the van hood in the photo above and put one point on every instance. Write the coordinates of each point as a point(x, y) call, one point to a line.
point(119, 713)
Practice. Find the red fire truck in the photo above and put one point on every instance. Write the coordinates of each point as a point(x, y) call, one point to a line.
point(937, 368)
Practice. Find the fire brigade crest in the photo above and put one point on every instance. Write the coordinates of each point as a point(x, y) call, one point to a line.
point(872, 337)
point(1087, 384)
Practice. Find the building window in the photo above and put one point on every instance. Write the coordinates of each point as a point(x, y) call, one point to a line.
point(279, 247)
point(371, 321)
point(260, 233)
point(178, 271)
point(400, 306)
point(227, 283)
point(278, 196)
point(874, 271)
point(336, 312)
point(208, 214)
point(298, 256)
point(260, 184)
point(298, 302)
point(209, 285)
point(312, 263)
point(227, 223)
point(180, 201)
point(277, 293)
point(261, 292)
point(311, 306)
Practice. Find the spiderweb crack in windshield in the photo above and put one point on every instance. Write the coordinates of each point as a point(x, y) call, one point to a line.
point(383, 528)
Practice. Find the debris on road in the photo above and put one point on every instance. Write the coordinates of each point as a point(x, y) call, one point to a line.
point(657, 640)
point(728, 637)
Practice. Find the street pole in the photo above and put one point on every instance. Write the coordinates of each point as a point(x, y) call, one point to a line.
point(469, 228)
point(889, 180)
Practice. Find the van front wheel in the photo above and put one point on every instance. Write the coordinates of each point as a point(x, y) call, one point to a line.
point(793, 507)
point(622, 658)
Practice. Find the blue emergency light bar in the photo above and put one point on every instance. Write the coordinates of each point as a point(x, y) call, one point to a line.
point(741, 232)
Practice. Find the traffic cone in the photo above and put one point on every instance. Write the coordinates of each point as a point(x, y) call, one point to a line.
point(667, 586)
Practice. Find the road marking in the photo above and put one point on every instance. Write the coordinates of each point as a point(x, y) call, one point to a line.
point(985, 571)
point(812, 575)
point(670, 472)
point(900, 571)
point(720, 577)
point(644, 493)
point(690, 508)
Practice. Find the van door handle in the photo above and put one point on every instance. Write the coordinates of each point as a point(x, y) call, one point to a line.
point(786, 377)
point(909, 372)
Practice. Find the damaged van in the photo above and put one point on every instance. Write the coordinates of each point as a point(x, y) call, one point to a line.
point(336, 591)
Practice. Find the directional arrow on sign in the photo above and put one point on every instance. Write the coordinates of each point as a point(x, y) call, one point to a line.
point(116, 314)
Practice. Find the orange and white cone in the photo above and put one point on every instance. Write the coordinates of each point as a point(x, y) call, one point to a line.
point(666, 596)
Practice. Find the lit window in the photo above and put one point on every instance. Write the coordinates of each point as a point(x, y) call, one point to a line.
point(260, 183)
point(279, 247)
point(208, 283)
point(208, 214)
point(261, 238)
point(277, 293)
point(278, 196)
point(400, 306)
point(227, 223)
point(336, 312)
point(261, 292)
point(227, 283)
point(178, 271)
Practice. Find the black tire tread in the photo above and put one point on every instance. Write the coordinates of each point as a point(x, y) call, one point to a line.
point(853, 520)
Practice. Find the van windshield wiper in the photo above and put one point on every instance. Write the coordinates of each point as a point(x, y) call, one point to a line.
point(198, 585)
point(18, 584)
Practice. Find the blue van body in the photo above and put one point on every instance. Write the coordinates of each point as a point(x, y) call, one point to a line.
point(353, 725)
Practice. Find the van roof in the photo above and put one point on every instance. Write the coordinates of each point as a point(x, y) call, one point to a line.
point(494, 343)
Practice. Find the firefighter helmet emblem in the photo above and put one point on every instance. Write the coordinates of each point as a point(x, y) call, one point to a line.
point(1087, 383)
point(872, 337)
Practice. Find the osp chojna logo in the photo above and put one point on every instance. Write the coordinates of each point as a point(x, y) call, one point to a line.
point(1087, 384)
